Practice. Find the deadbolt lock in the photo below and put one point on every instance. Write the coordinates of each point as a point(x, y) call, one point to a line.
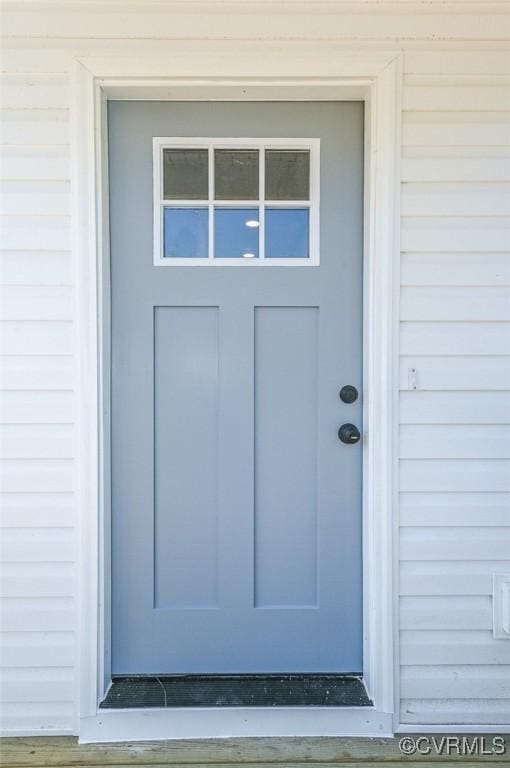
point(348, 394)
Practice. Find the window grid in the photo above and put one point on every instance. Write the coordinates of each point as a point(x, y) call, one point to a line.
point(262, 207)
point(311, 204)
point(210, 159)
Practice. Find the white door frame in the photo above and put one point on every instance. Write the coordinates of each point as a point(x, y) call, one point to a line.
point(289, 71)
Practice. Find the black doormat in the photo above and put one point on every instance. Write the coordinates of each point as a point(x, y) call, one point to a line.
point(236, 691)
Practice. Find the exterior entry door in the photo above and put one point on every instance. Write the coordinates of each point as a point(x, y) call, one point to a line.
point(236, 316)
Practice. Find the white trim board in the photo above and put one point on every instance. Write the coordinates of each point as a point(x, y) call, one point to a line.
point(233, 722)
point(377, 80)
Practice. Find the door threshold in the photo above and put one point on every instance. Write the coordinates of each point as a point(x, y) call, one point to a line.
point(252, 690)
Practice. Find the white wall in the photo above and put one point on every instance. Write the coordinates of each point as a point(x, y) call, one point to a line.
point(455, 433)
point(455, 307)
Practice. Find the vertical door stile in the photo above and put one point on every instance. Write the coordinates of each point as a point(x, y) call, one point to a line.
point(236, 456)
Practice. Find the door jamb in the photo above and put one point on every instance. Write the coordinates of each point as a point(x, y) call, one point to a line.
point(375, 79)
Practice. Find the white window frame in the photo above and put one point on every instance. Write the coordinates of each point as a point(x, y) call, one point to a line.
point(201, 73)
point(159, 143)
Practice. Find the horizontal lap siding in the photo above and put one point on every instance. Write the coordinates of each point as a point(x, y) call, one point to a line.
point(37, 521)
point(455, 426)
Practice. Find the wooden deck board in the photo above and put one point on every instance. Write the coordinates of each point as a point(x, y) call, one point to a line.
point(65, 752)
point(441, 763)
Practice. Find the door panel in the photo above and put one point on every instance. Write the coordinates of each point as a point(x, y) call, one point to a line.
point(185, 447)
point(286, 411)
point(236, 511)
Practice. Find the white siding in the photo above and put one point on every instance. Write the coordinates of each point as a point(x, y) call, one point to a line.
point(37, 595)
point(454, 433)
point(455, 317)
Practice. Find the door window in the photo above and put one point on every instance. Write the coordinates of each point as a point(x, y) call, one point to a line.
point(236, 201)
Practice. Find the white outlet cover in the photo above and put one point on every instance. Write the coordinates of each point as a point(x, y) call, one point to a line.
point(501, 605)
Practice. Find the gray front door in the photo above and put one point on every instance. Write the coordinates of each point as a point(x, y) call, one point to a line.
point(236, 509)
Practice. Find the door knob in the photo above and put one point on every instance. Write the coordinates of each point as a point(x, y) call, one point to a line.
point(349, 434)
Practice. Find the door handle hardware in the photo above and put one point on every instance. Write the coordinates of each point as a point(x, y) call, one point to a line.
point(349, 434)
point(348, 394)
